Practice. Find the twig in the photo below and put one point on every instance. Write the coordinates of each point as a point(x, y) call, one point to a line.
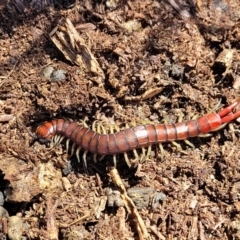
point(131, 208)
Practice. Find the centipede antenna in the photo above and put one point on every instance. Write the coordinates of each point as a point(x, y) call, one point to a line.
point(72, 150)
point(126, 159)
point(22, 125)
point(77, 153)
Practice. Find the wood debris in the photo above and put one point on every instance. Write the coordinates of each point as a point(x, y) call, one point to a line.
point(131, 208)
point(75, 49)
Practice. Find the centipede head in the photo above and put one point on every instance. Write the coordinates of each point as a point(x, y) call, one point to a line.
point(42, 134)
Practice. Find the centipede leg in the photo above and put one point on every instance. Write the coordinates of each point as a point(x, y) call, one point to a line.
point(102, 130)
point(84, 123)
point(205, 135)
point(77, 153)
point(143, 156)
point(85, 158)
point(72, 150)
point(148, 151)
point(115, 160)
point(136, 154)
point(189, 143)
point(67, 145)
point(161, 151)
point(177, 145)
point(126, 159)
point(56, 140)
point(95, 158)
point(60, 139)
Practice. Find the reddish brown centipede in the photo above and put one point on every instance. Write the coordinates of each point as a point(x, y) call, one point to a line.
point(135, 137)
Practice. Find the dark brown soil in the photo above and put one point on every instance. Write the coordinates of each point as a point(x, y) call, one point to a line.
point(161, 63)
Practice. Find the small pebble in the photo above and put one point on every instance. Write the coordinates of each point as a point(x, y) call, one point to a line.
point(67, 169)
point(1, 199)
point(58, 75)
point(46, 72)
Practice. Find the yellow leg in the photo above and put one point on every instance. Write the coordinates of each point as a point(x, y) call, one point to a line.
point(67, 145)
point(143, 155)
point(189, 143)
point(136, 154)
point(161, 151)
point(115, 160)
point(72, 150)
point(77, 153)
point(149, 151)
point(85, 158)
point(126, 159)
point(95, 158)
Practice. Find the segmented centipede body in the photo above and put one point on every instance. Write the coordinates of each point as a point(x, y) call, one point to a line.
point(135, 137)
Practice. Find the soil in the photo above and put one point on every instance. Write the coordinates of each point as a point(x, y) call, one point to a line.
point(157, 62)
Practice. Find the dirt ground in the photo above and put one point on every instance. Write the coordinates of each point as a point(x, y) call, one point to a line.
point(126, 63)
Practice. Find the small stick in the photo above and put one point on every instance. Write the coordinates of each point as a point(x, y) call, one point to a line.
point(6, 118)
point(52, 228)
point(131, 208)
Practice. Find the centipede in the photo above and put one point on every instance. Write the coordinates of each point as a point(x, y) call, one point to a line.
point(120, 142)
